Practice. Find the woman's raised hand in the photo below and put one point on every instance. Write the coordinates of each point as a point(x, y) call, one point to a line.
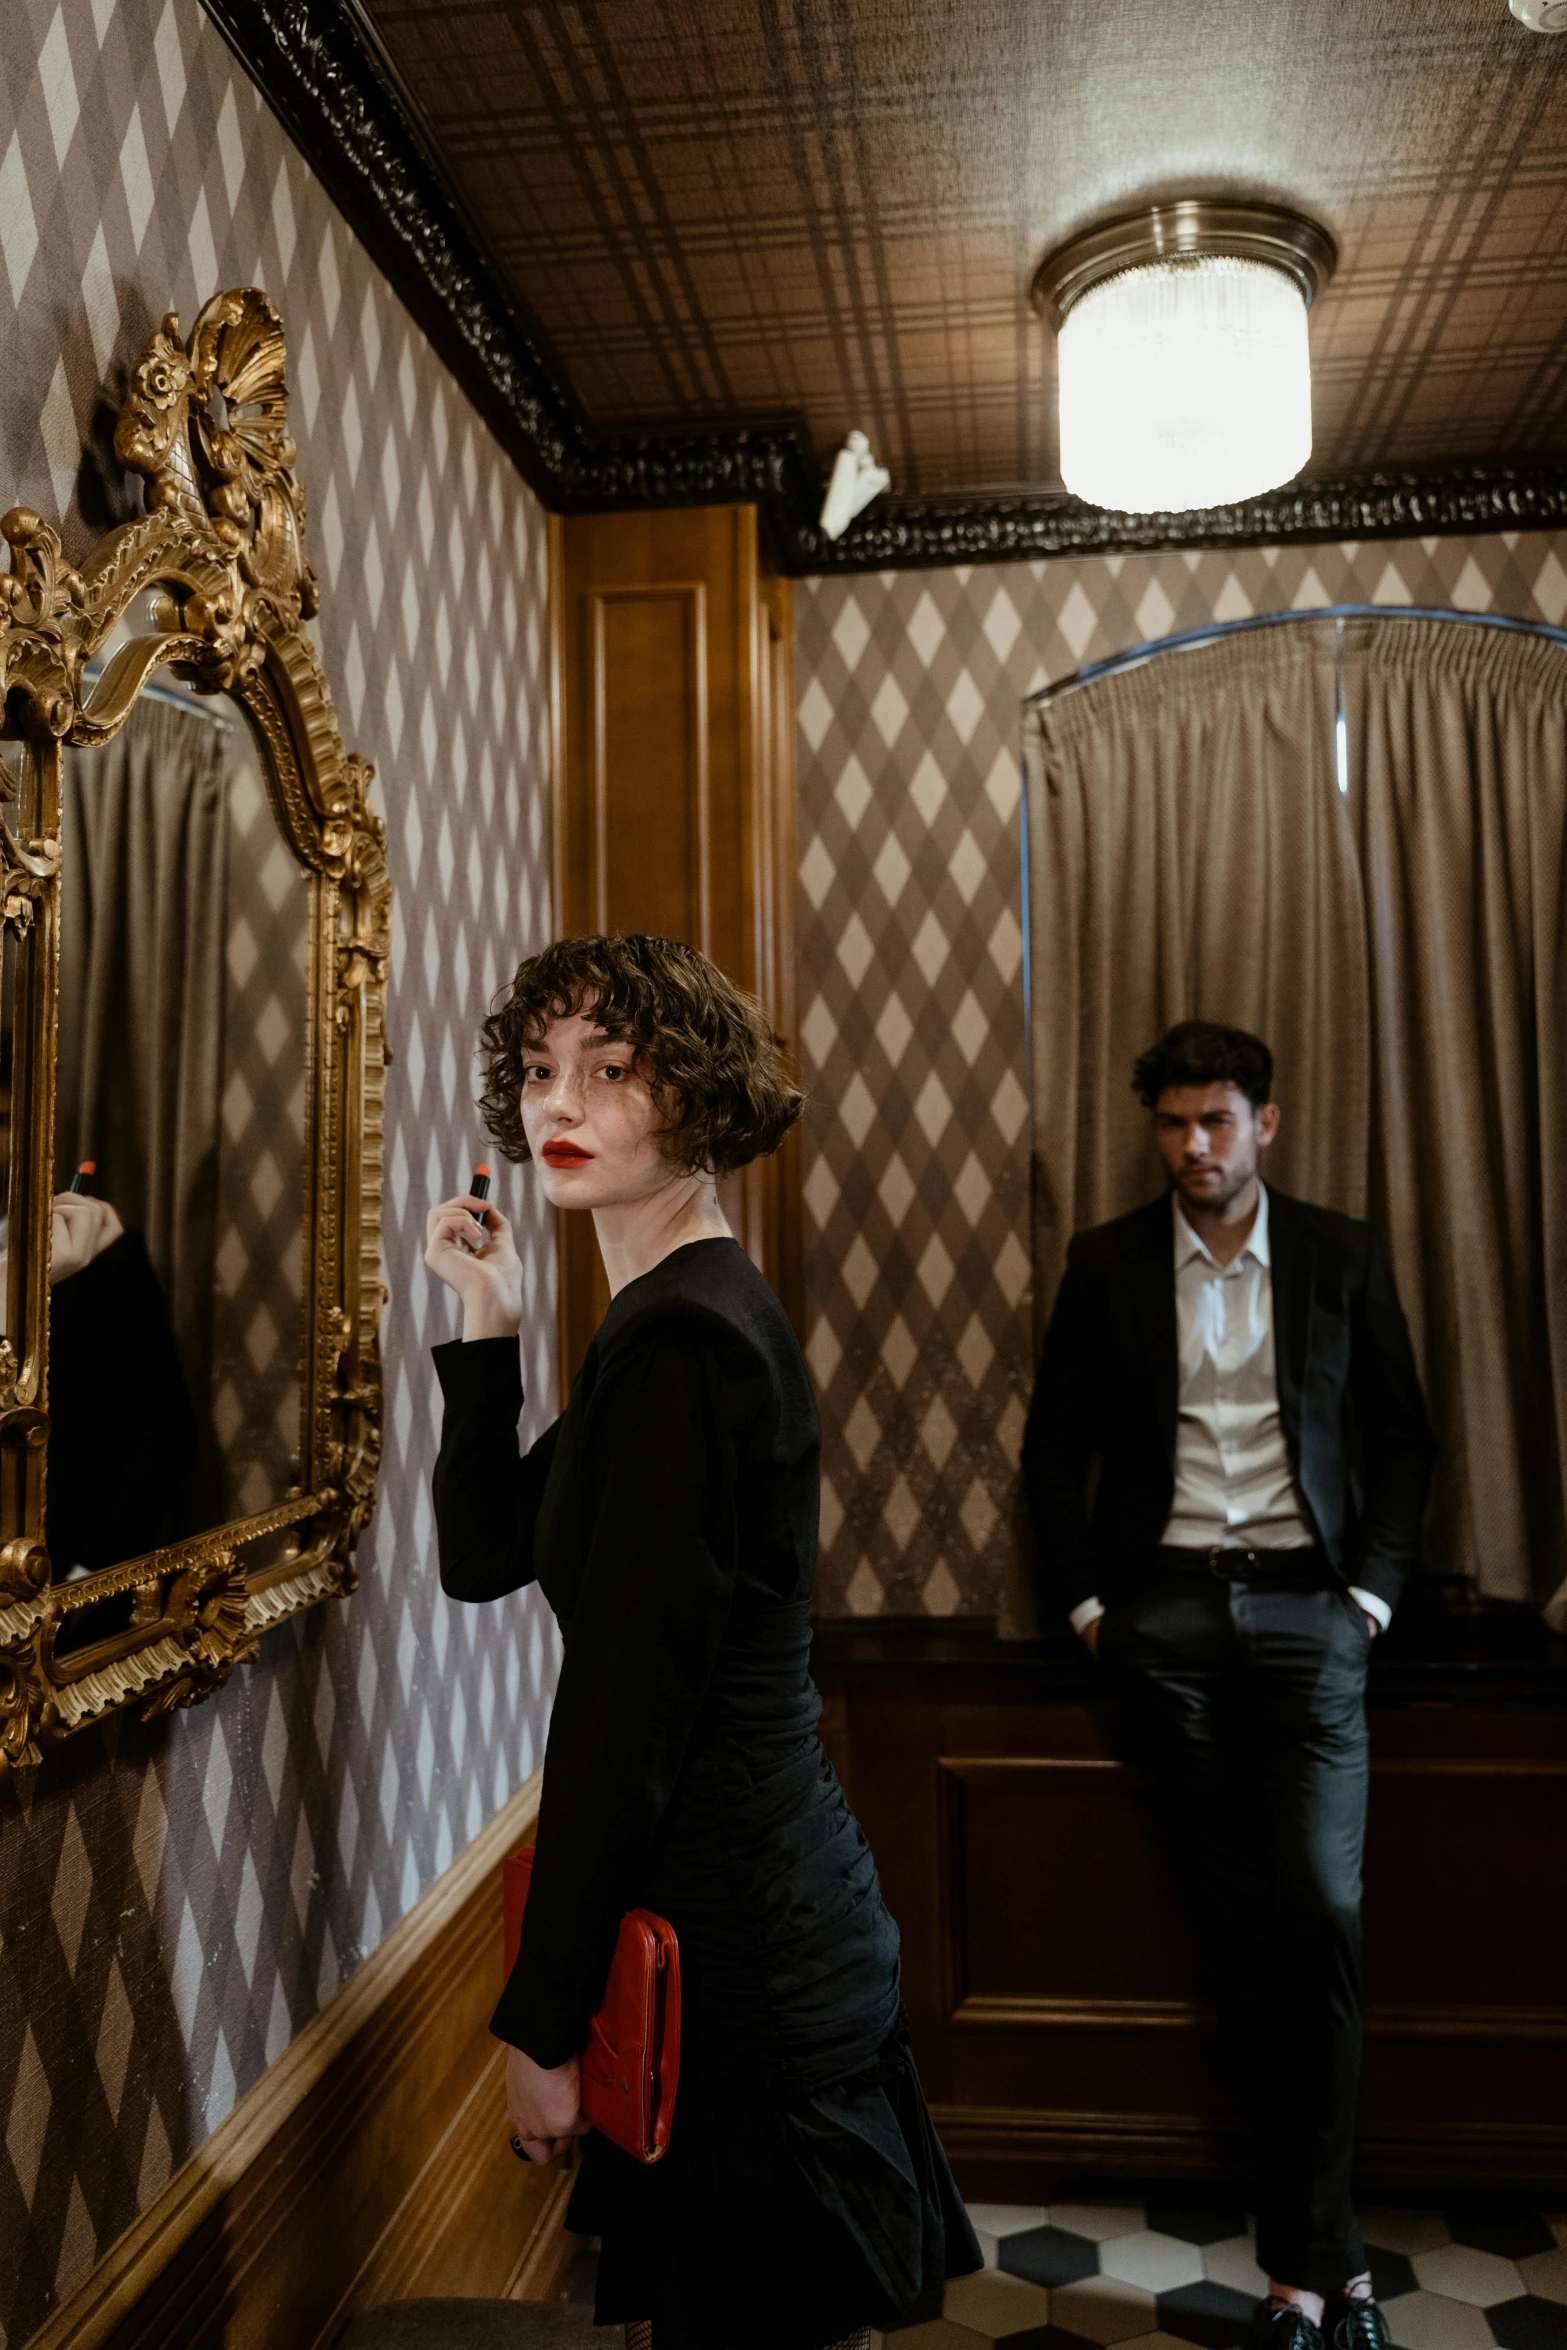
point(479, 1262)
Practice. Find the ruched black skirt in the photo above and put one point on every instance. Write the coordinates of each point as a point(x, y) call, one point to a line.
point(804, 2194)
point(778, 2221)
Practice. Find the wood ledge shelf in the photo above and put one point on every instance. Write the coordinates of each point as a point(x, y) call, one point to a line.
point(1431, 1654)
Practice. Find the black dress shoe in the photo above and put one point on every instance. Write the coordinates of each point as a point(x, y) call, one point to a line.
point(1279, 2325)
point(1355, 2325)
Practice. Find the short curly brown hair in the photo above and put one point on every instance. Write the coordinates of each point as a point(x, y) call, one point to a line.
point(707, 1051)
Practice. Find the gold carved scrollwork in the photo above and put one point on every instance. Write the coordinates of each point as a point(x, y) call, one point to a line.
point(239, 472)
point(219, 559)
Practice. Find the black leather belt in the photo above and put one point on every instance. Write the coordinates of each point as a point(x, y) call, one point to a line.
point(1228, 1564)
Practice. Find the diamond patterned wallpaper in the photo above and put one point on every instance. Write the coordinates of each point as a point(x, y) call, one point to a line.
point(176, 1902)
point(911, 981)
point(259, 1259)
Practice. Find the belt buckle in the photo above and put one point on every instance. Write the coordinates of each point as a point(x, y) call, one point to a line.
point(1224, 1559)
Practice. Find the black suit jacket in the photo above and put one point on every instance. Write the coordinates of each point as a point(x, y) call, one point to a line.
point(1108, 1388)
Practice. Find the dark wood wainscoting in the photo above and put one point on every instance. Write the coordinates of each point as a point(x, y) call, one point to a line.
point(1048, 1972)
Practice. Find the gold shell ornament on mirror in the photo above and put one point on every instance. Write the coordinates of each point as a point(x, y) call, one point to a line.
point(211, 586)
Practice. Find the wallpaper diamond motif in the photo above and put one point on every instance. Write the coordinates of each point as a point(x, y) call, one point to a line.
point(912, 982)
point(261, 1167)
point(177, 1901)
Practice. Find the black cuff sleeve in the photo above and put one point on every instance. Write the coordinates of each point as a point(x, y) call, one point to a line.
point(487, 1498)
point(480, 1370)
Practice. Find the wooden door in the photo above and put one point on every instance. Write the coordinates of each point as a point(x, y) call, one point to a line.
point(675, 799)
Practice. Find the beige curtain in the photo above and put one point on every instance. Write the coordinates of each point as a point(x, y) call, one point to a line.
point(140, 1058)
point(1400, 947)
point(1458, 785)
point(1190, 859)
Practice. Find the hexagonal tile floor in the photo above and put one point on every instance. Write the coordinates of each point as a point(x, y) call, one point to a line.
point(1166, 2273)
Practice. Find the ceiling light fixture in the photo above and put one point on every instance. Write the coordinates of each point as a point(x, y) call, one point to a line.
point(1183, 363)
point(1541, 16)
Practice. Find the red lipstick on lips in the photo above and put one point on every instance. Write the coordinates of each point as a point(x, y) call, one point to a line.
point(564, 1154)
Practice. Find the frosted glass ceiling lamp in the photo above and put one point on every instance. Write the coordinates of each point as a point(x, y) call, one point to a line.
point(1183, 363)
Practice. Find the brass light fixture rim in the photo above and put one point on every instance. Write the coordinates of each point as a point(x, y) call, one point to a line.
point(1186, 227)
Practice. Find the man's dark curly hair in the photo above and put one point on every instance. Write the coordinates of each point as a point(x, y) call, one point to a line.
point(1201, 1052)
point(707, 1051)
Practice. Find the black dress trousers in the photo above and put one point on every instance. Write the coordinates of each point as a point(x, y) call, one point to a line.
point(1253, 1698)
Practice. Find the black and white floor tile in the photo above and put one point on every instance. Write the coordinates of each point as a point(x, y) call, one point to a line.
point(1166, 2273)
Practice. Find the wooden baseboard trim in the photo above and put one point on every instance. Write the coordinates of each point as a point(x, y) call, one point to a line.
point(545, 2267)
point(433, 2200)
point(1517, 2156)
point(1126, 2145)
point(367, 2164)
point(1384, 2020)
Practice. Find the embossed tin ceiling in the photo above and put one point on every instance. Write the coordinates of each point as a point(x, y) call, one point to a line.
point(718, 209)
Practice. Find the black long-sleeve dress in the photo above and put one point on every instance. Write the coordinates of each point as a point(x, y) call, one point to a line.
point(670, 1517)
point(122, 1434)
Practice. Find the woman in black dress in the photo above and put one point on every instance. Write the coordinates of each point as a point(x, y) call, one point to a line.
point(670, 1518)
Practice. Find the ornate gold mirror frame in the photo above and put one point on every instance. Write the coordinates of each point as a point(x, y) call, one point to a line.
point(221, 548)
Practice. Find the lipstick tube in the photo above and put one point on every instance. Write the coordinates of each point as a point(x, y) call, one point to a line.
point(480, 1189)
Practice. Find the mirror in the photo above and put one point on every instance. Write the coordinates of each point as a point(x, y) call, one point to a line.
point(195, 925)
point(176, 1275)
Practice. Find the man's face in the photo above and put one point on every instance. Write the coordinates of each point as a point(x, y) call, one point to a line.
point(1210, 1138)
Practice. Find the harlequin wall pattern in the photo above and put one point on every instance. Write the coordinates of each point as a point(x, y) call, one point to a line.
point(911, 986)
point(177, 1901)
point(259, 1255)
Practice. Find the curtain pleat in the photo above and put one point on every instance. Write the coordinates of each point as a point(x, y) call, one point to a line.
point(1459, 792)
point(1191, 858)
point(143, 921)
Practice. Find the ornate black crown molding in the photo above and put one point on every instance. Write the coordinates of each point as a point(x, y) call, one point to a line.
point(1427, 502)
point(325, 79)
point(322, 78)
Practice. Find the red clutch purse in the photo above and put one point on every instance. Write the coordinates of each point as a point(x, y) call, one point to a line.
point(631, 2064)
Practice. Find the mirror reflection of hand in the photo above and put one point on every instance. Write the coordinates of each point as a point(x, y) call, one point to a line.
point(479, 1262)
point(83, 1228)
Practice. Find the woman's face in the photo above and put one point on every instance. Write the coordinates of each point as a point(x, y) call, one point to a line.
point(591, 1121)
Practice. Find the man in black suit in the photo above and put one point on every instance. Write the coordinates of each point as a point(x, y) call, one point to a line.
point(1234, 1368)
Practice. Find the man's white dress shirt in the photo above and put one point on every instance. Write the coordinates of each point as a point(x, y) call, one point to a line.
point(1234, 1488)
